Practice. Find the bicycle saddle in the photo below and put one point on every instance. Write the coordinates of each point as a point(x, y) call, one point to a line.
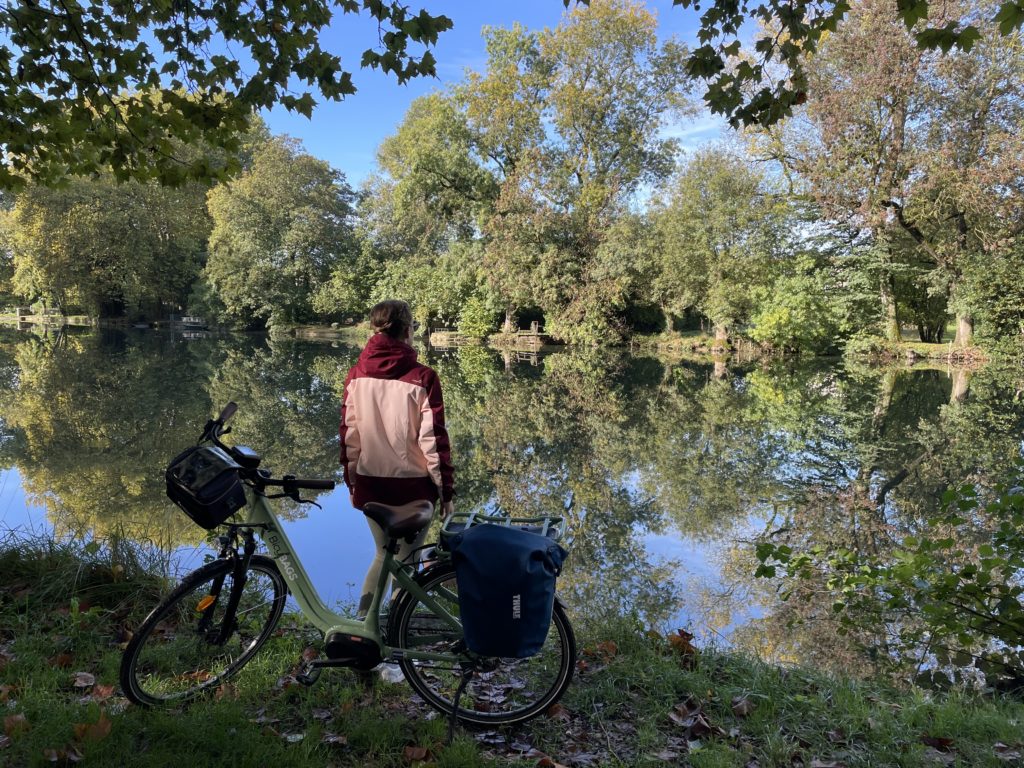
point(402, 520)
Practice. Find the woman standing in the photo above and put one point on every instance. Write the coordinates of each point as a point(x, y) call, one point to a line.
point(394, 445)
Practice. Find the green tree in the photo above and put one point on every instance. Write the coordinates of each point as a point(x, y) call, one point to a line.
point(916, 149)
point(120, 84)
point(106, 247)
point(279, 230)
point(747, 86)
point(719, 232)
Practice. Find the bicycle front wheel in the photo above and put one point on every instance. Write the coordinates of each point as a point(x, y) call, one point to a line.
point(501, 691)
point(188, 644)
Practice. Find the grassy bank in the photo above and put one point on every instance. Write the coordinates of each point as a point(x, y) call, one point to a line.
point(638, 699)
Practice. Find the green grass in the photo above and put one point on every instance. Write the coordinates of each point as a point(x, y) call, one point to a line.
point(635, 702)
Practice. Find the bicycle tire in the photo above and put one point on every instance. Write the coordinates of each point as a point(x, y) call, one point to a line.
point(174, 655)
point(502, 691)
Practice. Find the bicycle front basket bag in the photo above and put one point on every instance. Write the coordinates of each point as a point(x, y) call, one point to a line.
point(506, 579)
point(204, 482)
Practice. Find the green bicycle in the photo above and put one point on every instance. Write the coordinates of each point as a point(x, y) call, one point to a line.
point(220, 615)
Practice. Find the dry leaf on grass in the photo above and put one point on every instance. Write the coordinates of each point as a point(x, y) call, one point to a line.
point(84, 680)
point(93, 731)
point(14, 724)
point(827, 764)
point(547, 762)
point(334, 738)
point(940, 743)
point(742, 706)
point(227, 691)
point(102, 692)
point(1008, 754)
point(415, 754)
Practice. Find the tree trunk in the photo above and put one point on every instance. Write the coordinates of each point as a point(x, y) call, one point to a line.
point(961, 385)
point(964, 331)
point(670, 321)
point(721, 337)
point(890, 319)
point(510, 316)
point(721, 368)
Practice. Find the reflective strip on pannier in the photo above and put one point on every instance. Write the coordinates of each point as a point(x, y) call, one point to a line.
point(204, 482)
point(506, 579)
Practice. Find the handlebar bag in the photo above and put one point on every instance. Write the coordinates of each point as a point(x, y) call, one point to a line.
point(506, 580)
point(204, 482)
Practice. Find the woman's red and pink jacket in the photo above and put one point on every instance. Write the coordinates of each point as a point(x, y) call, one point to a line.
point(394, 445)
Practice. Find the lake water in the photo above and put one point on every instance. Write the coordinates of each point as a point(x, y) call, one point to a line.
point(666, 469)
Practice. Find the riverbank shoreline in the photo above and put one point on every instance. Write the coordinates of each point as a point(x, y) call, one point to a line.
point(638, 698)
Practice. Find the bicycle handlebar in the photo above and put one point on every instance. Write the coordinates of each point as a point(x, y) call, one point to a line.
point(311, 484)
point(291, 484)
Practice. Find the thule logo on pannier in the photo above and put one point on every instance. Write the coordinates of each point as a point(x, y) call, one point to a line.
point(516, 606)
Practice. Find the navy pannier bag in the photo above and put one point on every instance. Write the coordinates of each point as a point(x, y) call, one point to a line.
point(506, 579)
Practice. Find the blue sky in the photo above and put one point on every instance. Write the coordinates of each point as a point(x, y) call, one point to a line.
point(347, 133)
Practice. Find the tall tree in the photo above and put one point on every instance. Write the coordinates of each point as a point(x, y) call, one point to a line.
point(920, 150)
point(107, 248)
point(278, 231)
point(590, 98)
point(718, 237)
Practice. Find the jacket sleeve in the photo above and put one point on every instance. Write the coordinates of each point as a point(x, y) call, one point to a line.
point(350, 443)
point(433, 439)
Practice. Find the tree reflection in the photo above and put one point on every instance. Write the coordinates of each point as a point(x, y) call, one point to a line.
point(625, 447)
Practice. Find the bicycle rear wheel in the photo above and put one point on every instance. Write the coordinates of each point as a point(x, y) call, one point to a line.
point(181, 650)
point(501, 691)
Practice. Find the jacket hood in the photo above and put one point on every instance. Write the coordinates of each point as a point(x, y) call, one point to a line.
point(386, 358)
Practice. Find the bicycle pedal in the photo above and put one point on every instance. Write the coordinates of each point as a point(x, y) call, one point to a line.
point(309, 675)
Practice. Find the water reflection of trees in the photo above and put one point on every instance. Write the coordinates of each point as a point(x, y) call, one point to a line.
point(88, 421)
point(623, 446)
point(904, 439)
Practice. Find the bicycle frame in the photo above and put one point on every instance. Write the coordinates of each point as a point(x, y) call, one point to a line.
point(262, 519)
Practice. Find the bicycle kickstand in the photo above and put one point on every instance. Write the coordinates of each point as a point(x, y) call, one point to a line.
point(466, 675)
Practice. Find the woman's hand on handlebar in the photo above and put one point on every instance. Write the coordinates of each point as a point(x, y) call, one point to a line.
point(447, 508)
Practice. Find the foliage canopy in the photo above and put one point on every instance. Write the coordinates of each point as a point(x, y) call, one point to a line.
point(86, 86)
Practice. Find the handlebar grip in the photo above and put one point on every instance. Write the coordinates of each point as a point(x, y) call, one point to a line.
point(310, 484)
point(228, 412)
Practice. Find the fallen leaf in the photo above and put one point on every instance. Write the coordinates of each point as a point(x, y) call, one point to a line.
point(1007, 753)
point(608, 648)
point(84, 680)
point(557, 712)
point(742, 706)
point(93, 731)
point(310, 654)
point(581, 665)
point(5, 692)
point(294, 738)
point(547, 762)
point(415, 754)
point(5, 741)
point(15, 724)
point(227, 691)
point(667, 755)
point(836, 736)
point(333, 738)
point(62, 660)
point(940, 743)
point(102, 692)
point(827, 764)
